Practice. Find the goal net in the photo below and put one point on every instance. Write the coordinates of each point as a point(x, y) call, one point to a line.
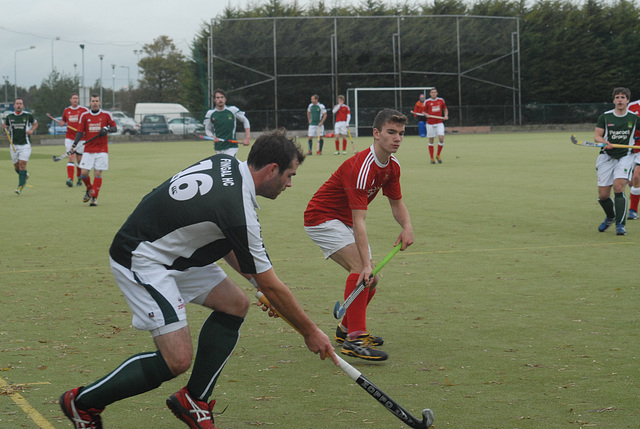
point(365, 103)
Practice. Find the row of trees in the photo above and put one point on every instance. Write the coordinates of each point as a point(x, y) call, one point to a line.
point(570, 53)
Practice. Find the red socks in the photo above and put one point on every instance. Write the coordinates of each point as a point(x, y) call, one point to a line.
point(97, 183)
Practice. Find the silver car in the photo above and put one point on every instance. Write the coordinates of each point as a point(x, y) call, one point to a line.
point(185, 125)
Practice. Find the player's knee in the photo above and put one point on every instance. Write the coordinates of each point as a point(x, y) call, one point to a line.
point(179, 361)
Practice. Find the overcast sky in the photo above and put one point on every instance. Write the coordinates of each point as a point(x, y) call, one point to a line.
point(114, 29)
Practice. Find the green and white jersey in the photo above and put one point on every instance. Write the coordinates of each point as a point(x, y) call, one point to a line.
point(316, 111)
point(223, 123)
point(19, 125)
point(194, 219)
point(618, 130)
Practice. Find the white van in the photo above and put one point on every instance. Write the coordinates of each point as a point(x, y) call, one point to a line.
point(169, 110)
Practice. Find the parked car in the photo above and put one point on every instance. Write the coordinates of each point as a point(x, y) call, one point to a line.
point(55, 129)
point(154, 124)
point(126, 124)
point(185, 125)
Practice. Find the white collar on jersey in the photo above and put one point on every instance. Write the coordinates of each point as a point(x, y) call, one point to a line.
point(247, 180)
point(375, 158)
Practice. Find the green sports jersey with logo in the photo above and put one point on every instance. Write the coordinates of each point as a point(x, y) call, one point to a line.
point(316, 111)
point(224, 124)
point(618, 130)
point(18, 126)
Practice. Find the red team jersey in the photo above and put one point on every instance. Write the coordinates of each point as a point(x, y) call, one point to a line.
point(72, 117)
point(343, 113)
point(436, 108)
point(635, 108)
point(352, 187)
point(90, 125)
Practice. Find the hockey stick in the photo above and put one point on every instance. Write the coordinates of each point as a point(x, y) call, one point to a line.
point(66, 154)
point(219, 139)
point(339, 310)
point(60, 123)
point(575, 141)
point(373, 390)
point(353, 146)
point(10, 141)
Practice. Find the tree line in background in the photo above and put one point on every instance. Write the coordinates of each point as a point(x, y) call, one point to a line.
point(570, 53)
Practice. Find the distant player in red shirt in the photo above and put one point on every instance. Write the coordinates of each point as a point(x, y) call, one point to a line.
point(419, 113)
point(93, 128)
point(71, 118)
point(343, 117)
point(437, 112)
point(634, 197)
point(335, 221)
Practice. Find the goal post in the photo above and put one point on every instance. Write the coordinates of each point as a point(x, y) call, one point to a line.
point(366, 102)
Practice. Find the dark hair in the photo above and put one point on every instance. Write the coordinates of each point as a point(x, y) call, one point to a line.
point(219, 91)
point(621, 90)
point(388, 115)
point(94, 95)
point(274, 146)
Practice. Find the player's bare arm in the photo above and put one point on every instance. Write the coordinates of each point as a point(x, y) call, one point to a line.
point(362, 244)
point(599, 138)
point(401, 215)
point(282, 299)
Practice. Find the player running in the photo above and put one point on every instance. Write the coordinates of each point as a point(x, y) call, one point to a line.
point(335, 220)
point(71, 118)
point(220, 123)
point(19, 125)
point(93, 127)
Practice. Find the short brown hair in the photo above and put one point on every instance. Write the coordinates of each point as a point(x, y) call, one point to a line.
point(621, 90)
point(388, 115)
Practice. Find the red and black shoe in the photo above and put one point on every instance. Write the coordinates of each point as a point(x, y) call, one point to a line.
point(81, 418)
point(196, 414)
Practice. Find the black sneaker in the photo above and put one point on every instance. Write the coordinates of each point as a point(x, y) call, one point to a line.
point(362, 347)
point(79, 182)
point(94, 202)
point(341, 335)
point(86, 197)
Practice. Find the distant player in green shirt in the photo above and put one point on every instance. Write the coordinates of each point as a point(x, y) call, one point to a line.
point(316, 115)
point(20, 124)
point(615, 165)
point(220, 123)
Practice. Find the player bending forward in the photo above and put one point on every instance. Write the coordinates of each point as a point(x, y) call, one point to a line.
point(335, 221)
point(164, 257)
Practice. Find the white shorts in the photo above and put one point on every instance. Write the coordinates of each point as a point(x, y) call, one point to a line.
point(341, 128)
point(22, 152)
point(79, 147)
point(97, 161)
point(331, 236)
point(158, 298)
point(435, 130)
point(609, 169)
point(315, 131)
point(231, 151)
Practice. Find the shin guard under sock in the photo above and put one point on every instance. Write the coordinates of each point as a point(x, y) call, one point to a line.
point(138, 374)
point(218, 337)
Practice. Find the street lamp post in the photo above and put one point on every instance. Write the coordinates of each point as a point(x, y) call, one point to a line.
point(15, 69)
point(101, 56)
point(113, 86)
point(128, 76)
point(82, 80)
point(53, 40)
point(138, 52)
point(6, 85)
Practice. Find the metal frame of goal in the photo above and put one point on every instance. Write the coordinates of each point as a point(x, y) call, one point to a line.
point(399, 102)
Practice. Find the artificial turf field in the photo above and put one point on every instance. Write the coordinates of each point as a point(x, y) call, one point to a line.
point(509, 311)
